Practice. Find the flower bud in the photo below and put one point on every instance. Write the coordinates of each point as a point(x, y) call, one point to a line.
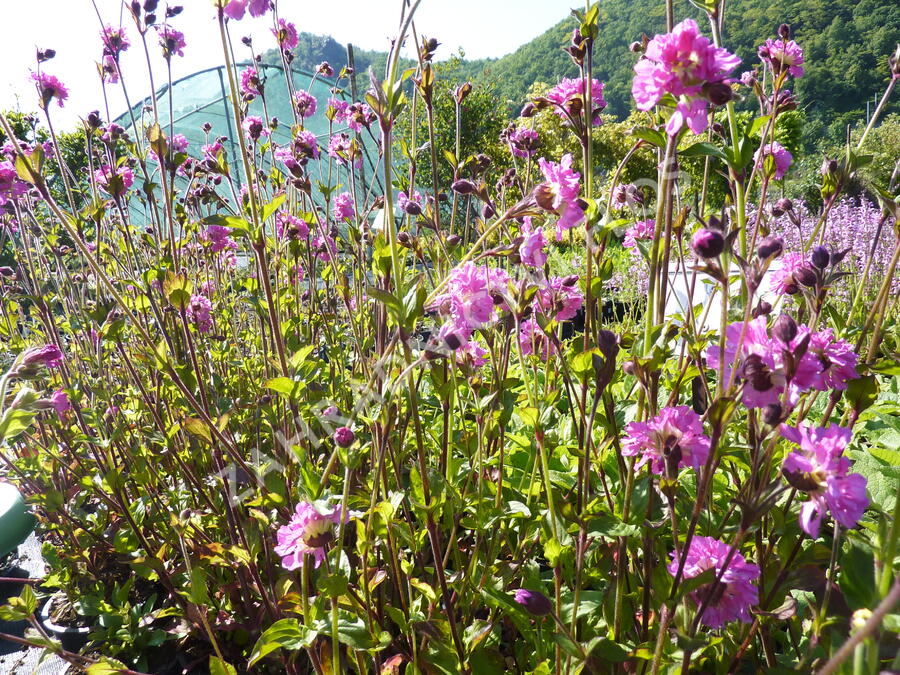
point(762, 309)
point(534, 602)
point(785, 205)
point(608, 344)
point(770, 247)
point(719, 93)
point(784, 32)
point(570, 280)
point(820, 257)
point(344, 437)
point(453, 240)
point(805, 276)
point(708, 243)
point(488, 211)
point(829, 166)
point(771, 414)
point(528, 110)
point(785, 329)
point(463, 186)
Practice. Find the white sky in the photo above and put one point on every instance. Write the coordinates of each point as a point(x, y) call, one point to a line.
point(483, 28)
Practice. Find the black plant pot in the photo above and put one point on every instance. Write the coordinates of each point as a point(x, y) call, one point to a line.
point(72, 638)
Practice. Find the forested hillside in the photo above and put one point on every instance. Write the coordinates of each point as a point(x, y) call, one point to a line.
point(847, 44)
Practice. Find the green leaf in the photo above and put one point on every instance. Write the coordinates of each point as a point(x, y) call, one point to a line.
point(703, 149)
point(198, 428)
point(269, 209)
point(652, 136)
point(285, 386)
point(219, 667)
point(284, 634)
point(862, 392)
point(857, 577)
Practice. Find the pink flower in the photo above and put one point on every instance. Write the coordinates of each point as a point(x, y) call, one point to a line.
point(290, 226)
point(171, 40)
point(764, 364)
point(411, 205)
point(235, 8)
point(177, 145)
point(219, 238)
point(286, 35)
point(301, 149)
point(533, 340)
point(199, 310)
point(254, 127)
point(639, 230)
point(782, 158)
point(783, 280)
point(343, 207)
point(559, 193)
point(568, 97)
point(345, 150)
point(354, 115)
point(522, 142)
point(250, 83)
point(33, 359)
point(11, 188)
point(114, 181)
point(49, 87)
point(733, 595)
point(559, 299)
point(675, 437)
point(782, 55)
point(820, 469)
point(211, 151)
point(60, 402)
point(680, 63)
point(114, 40)
point(305, 103)
point(468, 300)
point(109, 69)
point(836, 360)
point(472, 354)
point(531, 250)
point(308, 533)
point(691, 112)
point(324, 247)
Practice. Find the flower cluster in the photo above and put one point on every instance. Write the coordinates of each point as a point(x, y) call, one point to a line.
point(820, 469)
point(235, 9)
point(531, 250)
point(790, 362)
point(782, 55)
point(115, 181)
point(729, 599)
point(49, 88)
point(559, 193)
point(780, 162)
point(568, 98)
point(671, 440)
point(199, 311)
point(469, 300)
point(286, 35)
point(308, 532)
point(688, 66)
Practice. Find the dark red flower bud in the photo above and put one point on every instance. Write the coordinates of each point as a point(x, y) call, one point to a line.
point(785, 329)
point(770, 247)
point(708, 243)
point(820, 257)
point(344, 437)
point(463, 186)
point(534, 602)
